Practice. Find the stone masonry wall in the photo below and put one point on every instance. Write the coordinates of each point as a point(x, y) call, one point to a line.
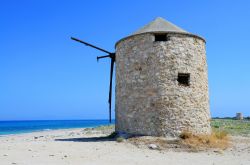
point(149, 99)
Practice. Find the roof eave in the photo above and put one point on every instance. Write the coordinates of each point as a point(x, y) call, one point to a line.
point(155, 32)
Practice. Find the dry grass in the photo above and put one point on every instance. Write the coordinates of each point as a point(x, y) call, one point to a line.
point(217, 139)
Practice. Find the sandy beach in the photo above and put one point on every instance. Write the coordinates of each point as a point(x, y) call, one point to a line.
point(84, 146)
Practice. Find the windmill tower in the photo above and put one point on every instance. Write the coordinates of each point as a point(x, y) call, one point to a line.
point(161, 82)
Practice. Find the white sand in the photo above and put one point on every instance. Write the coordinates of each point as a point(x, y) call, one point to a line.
point(24, 149)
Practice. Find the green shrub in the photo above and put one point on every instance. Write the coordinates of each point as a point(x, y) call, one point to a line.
point(120, 139)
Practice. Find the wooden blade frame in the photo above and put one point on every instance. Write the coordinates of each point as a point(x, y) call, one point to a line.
point(112, 57)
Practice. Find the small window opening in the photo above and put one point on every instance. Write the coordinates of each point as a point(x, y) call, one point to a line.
point(161, 37)
point(184, 79)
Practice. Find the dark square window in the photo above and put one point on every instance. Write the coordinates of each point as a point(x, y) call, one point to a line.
point(184, 79)
point(161, 37)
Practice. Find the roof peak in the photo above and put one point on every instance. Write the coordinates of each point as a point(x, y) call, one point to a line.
point(159, 24)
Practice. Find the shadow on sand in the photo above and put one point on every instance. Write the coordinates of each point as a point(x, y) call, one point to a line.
point(87, 139)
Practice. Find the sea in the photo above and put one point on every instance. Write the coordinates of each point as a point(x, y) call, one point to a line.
point(18, 127)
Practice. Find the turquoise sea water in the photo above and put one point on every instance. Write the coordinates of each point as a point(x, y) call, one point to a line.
point(16, 127)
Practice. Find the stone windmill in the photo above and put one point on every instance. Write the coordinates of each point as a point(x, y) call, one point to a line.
point(161, 82)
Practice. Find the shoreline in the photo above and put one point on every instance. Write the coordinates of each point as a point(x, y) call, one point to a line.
point(49, 130)
point(20, 127)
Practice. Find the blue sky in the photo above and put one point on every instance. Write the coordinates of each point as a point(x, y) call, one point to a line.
point(45, 75)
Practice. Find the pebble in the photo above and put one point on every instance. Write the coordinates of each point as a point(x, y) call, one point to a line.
point(153, 146)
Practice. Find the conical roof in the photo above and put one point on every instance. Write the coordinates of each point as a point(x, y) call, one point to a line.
point(160, 25)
